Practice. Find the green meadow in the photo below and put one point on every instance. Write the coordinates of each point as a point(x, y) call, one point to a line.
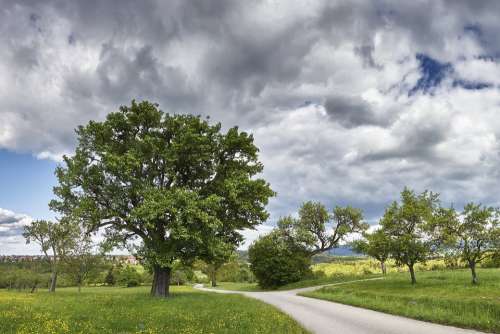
point(104, 310)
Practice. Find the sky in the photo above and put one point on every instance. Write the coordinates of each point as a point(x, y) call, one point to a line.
point(348, 101)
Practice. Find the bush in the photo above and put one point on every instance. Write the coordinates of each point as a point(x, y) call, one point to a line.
point(235, 271)
point(178, 277)
point(128, 275)
point(276, 262)
point(110, 278)
point(132, 283)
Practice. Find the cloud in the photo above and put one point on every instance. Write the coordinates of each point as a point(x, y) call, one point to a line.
point(11, 229)
point(12, 223)
point(349, 101)
point(351, 111)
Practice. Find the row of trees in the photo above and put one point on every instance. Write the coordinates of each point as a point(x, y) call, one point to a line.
point(411, 231)
point(35, 274)
point(418, 228)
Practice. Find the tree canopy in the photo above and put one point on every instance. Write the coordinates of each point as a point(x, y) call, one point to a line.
point(407, 225)
point(317, 230)
point(474, 234)
point(376, 244)
point(170, 180)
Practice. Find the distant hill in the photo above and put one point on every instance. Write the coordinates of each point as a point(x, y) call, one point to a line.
point(343, 251)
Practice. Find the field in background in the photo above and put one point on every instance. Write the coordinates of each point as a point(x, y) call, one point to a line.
point(131, 310)
point(446, 297)
point(339, 269)
point(362, 266)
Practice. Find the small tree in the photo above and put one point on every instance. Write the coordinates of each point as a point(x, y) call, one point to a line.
point(275, 261)
point(81, 260)
point(475, 234)
point(55, 240)
point(110, 278)
point(376, 245)
point(217, 253)
point(406, 224)
point(318, 231)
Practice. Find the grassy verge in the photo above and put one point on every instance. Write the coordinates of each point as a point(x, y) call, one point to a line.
point(296, 285)
point(131, 310)
point(445, 297)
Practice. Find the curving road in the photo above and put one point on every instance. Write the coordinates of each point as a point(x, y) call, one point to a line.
point(324, 317)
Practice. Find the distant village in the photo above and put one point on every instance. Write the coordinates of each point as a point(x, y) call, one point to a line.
point(123, 259)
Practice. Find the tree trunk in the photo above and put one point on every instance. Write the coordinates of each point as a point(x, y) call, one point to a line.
point(412, 274)
point(161, 282)
point(383, 268)
point(53, 281)
point(214, 278)
point(472, 266)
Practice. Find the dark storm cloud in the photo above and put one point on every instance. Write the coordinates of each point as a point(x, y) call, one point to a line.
point(323, 85)
point(351, 111)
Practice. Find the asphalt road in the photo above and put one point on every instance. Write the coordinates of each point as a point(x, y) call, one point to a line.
point(323, 317)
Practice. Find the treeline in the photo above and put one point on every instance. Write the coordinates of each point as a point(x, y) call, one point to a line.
point(33, 275)
point(411, 231)
point(418, 228)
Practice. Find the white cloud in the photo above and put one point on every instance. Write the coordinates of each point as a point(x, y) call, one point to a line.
point(11, 228)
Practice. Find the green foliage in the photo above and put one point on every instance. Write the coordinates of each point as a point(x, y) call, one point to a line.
point(23, 279)
point(173, 181)
point(317, 231)
point(406, 224)
point(56, 239)
point(275, 261)
point(440, 296)
point(235, 271)
point(376, 244)
point(105, 310)
point(474, 235)
point(110, 278)
point(128, 276)
point(80, 263)
point(492, 260)
point(178, 277)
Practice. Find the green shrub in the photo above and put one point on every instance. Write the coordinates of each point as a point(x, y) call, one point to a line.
point(276, 262)
point(133, 283)
point(110, 278)
point(178, 277)
point(128, 275)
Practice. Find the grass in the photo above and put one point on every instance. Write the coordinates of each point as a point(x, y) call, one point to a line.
point(296, 285)
point(445, 297)
point(131, 310)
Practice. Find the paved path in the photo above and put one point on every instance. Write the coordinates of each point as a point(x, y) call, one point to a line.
point(324, 317)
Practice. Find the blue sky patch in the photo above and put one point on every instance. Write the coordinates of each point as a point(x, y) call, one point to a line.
point(432, 73)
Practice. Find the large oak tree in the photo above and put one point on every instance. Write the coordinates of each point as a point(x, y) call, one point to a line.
point(173, 181)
